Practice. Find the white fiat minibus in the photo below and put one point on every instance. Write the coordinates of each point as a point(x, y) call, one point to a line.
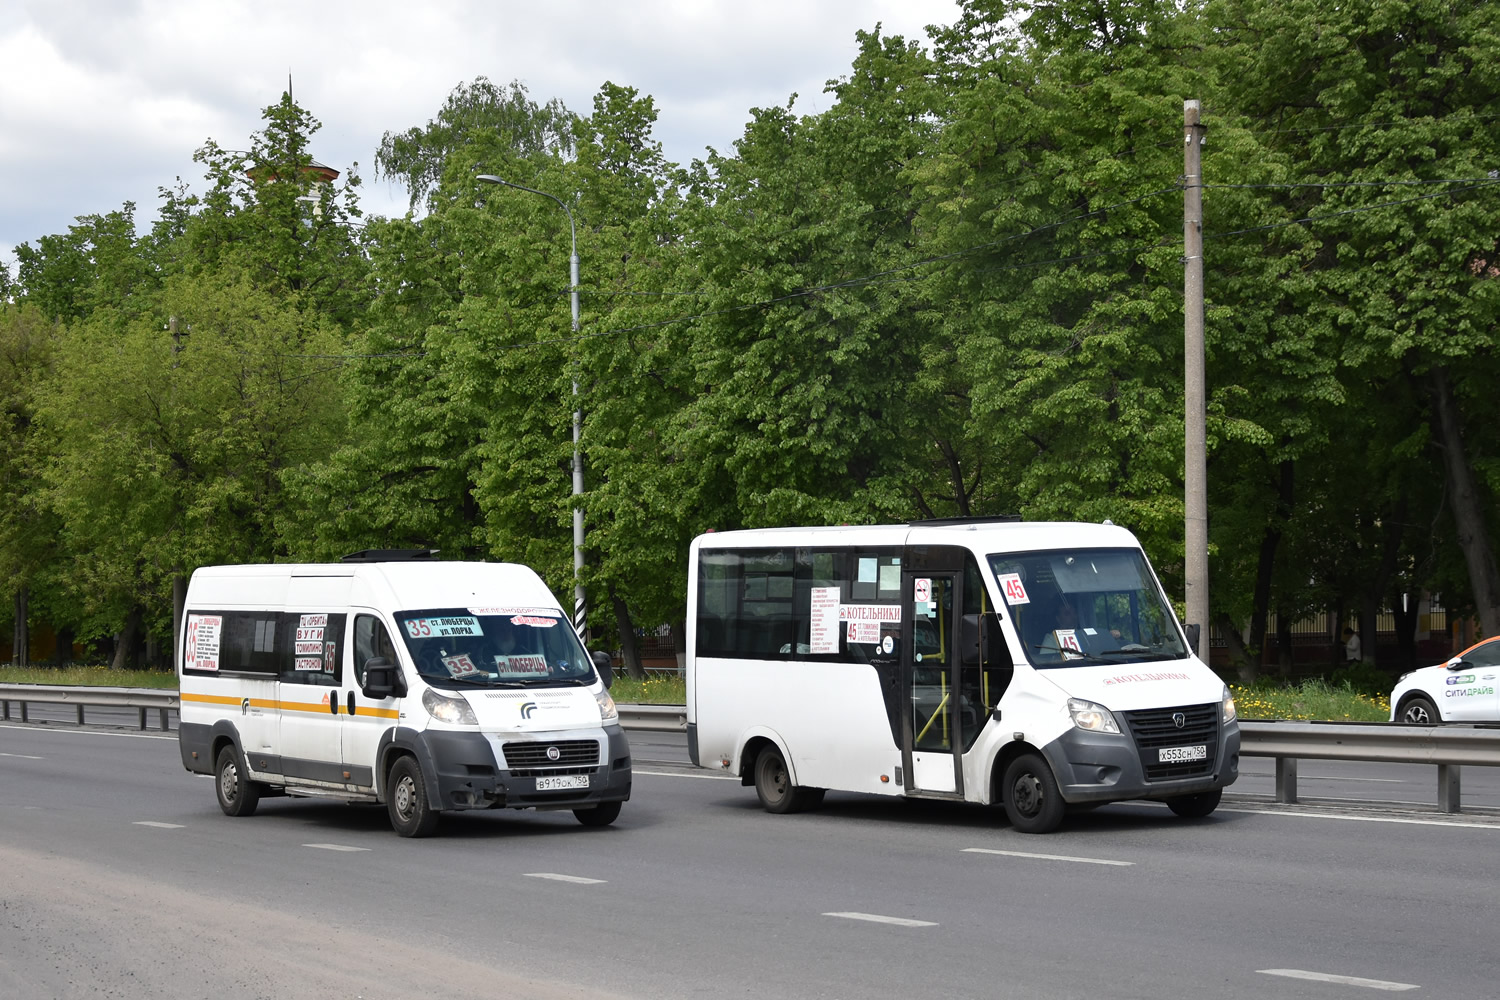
point(1034, 665)
point(429, 686)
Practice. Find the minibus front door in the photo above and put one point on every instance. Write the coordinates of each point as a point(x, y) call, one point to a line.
point(931, 738)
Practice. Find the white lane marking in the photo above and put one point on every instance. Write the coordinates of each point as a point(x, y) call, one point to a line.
point(23, 756)
point(876, 918)
point(159, 826)
point(336, 847)
point(1323, 977)
point(1365, 819)
point(1047, 857)
point(686, 774)
point(579, 879)
point(75, 731)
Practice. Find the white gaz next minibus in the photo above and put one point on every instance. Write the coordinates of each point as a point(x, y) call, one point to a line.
point(429, 686)
point(1038, 665)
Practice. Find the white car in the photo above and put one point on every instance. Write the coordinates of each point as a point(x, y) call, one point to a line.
point(1460, 690)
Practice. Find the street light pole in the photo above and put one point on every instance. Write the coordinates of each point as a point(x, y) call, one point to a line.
point(580, 604)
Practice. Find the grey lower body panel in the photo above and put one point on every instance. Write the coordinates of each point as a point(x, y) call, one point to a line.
point(1106, 767)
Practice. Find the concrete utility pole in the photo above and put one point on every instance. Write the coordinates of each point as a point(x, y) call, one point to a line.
point(1195, 461)
point(580, 599)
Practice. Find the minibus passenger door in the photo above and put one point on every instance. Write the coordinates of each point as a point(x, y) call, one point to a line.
point(932, 740)
point(368, 713)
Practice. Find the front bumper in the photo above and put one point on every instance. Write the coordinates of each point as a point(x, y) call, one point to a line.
point(469, 771)
point(1106, 767)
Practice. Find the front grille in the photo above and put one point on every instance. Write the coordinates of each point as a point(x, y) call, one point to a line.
point(1155, 728)
point(574, 756)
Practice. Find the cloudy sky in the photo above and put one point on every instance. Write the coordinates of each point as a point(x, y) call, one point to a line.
point(105, 101)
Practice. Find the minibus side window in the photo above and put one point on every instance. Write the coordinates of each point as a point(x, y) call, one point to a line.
point(315, 640)
point(249, 644)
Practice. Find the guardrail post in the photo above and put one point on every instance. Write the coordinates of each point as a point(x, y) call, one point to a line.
point(143, 718)
point(7, 710)
point(163, 720)
point(80, 713)
point(1286, 779)
point(1448, 787)
point(24, 717)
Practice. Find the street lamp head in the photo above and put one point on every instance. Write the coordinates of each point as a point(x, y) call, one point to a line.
point(492, 179)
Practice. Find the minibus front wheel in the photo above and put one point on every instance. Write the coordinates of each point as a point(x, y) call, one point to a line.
point(1032, 801)
point(406, 799)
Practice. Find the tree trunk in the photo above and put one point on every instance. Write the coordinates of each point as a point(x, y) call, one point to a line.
point(1245, 665)
point(64, 654)
point(127, 656)
point(1406, 631)
point(630, 653)
point(1466, 503)
point(1286, 654)
point(179, 601)
point(20, 643)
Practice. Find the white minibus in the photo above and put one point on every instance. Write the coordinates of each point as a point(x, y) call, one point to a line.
point(1034, 665)
point(429, 686)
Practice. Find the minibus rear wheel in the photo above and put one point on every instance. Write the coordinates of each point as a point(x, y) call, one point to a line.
point(1032, 800)
point(773, 785)
point(238, 795)
point(406, 800)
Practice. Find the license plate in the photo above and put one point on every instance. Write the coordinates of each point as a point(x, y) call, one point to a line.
point(562, 781)
point(1173, 755)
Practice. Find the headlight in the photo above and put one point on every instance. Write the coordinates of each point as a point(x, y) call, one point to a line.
point(607, 710)
point(1229, 711)
point(447, 709)
point(1094, 718)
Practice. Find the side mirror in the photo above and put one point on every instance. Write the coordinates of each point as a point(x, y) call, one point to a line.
point(1458, 664)
point(379, 678)
point(1193, 633)
point(605, 666)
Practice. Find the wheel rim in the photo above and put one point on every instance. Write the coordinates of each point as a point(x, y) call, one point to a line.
point(1027, 795)
point(776, 785)
point(229, 781)
point(405, 797)
point(1417, 714)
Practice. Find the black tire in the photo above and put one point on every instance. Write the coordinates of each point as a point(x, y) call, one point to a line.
point(603, 814)
point(238, 795)
point(406, 800)
point(1419, 711)
point(773, 785)
point(1196, 806)
point(1031, 798)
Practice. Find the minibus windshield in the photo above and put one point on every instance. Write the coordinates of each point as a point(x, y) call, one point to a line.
point(1084, 607)
point(494, 647)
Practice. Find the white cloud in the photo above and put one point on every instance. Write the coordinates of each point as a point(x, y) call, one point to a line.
point(103, 102)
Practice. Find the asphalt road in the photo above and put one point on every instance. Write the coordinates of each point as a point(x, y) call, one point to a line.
point(122, 879)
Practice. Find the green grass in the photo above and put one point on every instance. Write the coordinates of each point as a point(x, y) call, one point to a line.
point(656, 689)
point(88, 677)
point(1315, 699)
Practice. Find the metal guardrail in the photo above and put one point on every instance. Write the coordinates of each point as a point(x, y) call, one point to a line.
point(142, 699)
point(1449, 747)
point(658, 718)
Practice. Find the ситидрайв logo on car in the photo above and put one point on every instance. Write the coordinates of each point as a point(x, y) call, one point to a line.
point(527, 708)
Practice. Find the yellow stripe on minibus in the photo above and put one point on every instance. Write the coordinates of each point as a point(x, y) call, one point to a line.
point(316, 708)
